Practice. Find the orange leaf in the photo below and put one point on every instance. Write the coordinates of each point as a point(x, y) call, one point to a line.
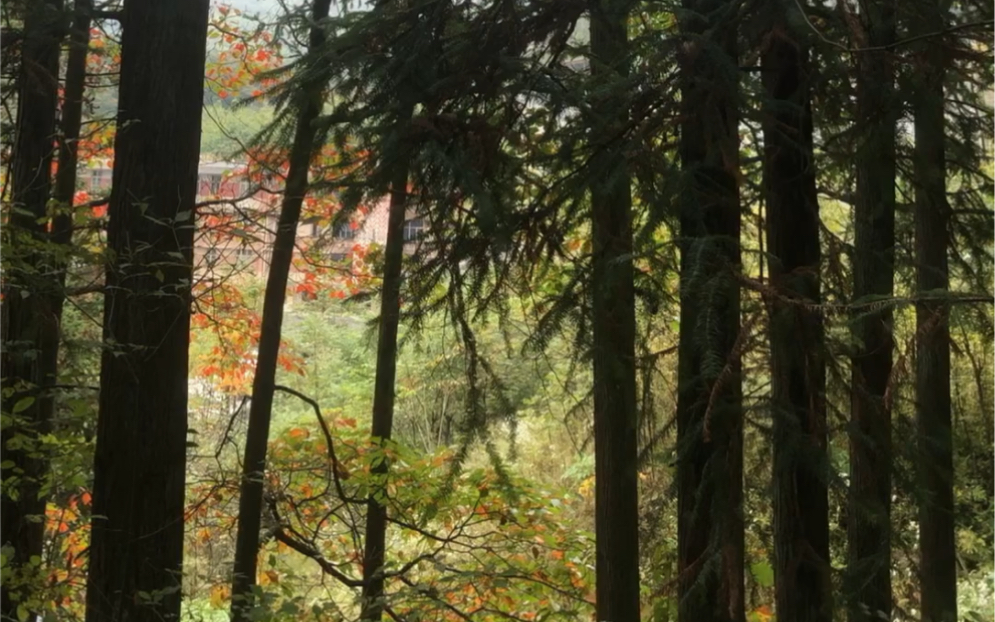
point(298, 433)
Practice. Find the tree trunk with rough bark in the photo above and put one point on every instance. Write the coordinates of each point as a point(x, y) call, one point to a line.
point(709, 396)
point(30, 316)
point(383, 396)
point(136, 549)
point(250, 503)
point(71, 122)
point(868, 576)
point(803, 589)
point(937, 538)
point(614, 328)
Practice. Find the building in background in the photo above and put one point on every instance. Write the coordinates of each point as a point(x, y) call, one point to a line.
point(237, 224)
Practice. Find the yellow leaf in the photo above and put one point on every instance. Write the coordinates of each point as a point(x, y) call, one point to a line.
point(219, 594)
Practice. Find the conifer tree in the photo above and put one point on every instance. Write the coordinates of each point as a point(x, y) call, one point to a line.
point(937, 544)
point(613, 324)
point(136, 549)
point(384, 392)
point(709, 402)
point(304, 107)
point(395, 158)
point(71, 120)
point(801, 514)
point(868, 588)
point(31, 300)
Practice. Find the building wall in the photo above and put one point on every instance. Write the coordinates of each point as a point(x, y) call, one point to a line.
point(217, 256)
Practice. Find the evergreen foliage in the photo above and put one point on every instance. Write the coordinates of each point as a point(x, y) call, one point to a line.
point(699, 326)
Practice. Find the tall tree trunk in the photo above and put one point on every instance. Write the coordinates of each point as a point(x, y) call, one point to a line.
point(71, 122)
point(869, 524)
point(798, 377)
point(614, 328)
point(709, 397)
point(250, 501)
point(937, 545)
point(31, 336)
point(383, 394)
point(136, 549)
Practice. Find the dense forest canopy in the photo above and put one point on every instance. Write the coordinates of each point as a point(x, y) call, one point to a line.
point(497, 310)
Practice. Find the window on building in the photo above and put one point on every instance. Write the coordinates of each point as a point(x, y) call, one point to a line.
point(211, 257)
point(414, 229)
point(97, 176)
point(345, 231)
point(338, 258)
point(211, 184)
point(245, 255)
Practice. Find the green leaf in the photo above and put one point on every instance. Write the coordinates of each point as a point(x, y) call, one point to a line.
point(23, 404)
point(762, 573)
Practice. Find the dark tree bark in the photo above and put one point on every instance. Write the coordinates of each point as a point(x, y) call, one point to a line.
point(709, 397)
point(868, 586)
point(937, 544)
point(250, 503)
point(71, 122)
point(798, 377)
point(383, 395)
point(614, 328)
point(31, 321)
point(136, 549)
